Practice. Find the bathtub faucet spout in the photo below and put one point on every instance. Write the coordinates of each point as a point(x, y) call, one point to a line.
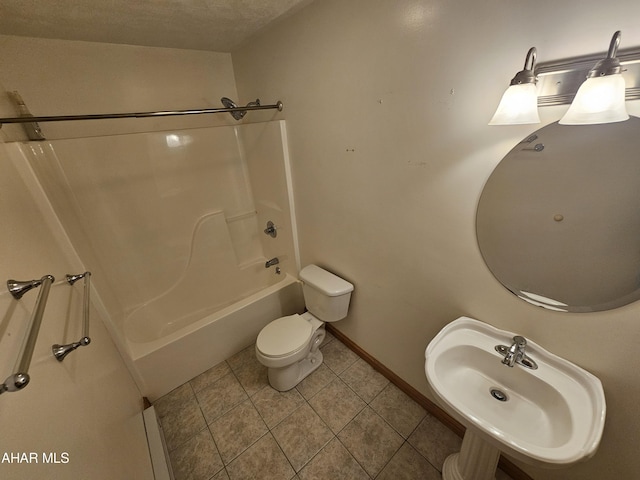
point(270, 263)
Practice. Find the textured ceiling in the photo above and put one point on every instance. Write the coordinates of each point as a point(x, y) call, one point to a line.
point(214, 25)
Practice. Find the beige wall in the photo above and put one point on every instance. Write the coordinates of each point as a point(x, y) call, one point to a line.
point(387, 105)
point(61, 77)
point(86, 409)
point(87, 406)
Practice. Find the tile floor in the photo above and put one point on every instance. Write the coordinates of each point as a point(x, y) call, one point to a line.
point(344, 421)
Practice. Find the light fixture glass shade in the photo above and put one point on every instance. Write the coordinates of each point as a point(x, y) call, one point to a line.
point(599, 100)
point(519, 105)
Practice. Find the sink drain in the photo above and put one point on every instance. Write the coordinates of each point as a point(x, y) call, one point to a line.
point(499, 395)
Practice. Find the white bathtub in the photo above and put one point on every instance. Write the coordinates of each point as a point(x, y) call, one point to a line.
point(166, 363)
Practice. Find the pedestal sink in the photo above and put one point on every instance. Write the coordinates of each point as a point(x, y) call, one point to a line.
point(551, 416)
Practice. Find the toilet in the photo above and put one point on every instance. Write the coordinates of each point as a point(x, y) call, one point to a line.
point(289, 346)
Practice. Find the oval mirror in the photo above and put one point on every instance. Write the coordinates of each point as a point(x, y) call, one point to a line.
point(558, 221)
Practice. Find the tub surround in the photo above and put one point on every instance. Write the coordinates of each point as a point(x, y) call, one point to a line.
point(172, 225)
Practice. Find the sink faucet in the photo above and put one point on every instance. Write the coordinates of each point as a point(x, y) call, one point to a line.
point(516, 353)
point(515, 350)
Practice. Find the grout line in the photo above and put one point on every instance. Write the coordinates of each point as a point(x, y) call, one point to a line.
point(284, 454)
point(354, 458)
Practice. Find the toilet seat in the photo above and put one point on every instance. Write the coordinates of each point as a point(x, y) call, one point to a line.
point(284, 336)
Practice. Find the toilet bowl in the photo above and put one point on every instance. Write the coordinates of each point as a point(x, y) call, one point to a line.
point(290, 346)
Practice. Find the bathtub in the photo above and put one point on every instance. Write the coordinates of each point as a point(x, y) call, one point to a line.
point(167, 362)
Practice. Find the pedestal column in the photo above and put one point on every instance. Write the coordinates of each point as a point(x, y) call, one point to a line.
point(477, 460)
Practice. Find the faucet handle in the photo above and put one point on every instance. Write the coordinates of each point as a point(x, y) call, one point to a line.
point(271, 229)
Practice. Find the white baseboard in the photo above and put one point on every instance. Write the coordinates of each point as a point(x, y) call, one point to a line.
point(157, 446)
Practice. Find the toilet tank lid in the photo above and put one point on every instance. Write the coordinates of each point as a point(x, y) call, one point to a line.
point(326, 282)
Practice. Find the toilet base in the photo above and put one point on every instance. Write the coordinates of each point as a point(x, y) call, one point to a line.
point(283, 379)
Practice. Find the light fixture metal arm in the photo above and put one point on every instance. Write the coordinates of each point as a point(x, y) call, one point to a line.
point(609, 65)
point(614, 44)
point(527, 75)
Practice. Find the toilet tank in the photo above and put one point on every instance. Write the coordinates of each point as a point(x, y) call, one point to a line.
point(326, 295)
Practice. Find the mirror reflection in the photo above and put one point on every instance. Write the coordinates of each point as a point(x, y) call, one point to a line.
point(558, 221)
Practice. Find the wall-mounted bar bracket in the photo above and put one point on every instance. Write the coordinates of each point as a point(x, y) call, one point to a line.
point(31, 128)
point(238, 112)
point(18, 288)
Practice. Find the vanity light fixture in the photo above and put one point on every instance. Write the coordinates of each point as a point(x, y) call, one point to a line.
point(610, 81)
point(601, 98)
point(519, 104)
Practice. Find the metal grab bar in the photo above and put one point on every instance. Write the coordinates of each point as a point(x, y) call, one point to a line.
point(61, 351)
point(20, 379)
point(102, 116)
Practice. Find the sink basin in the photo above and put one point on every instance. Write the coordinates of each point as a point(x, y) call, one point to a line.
point(551, 416)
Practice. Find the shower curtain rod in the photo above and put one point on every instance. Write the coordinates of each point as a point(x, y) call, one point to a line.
point(61, 118)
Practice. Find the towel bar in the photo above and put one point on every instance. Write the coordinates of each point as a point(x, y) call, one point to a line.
point(61, 351)
point(20, 379)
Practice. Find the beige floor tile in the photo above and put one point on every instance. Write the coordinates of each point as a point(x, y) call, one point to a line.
point(263, 460)
point(253, 376)
point(315, 382)
point(371, 441)
point(337, 405)
point(338, 357)
point(234, 398)
point(434, 441)
point(334, 462)
point(364, 380)
point(408, 464)
point(183, 423)
point(209, 377)
point(242, 357)
point(274, 406)
point(197, 459)
point(237, 430)
point(328, 338)
point(398, 409)
point(173, 401)
point(301, 435)
point(220, 397)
